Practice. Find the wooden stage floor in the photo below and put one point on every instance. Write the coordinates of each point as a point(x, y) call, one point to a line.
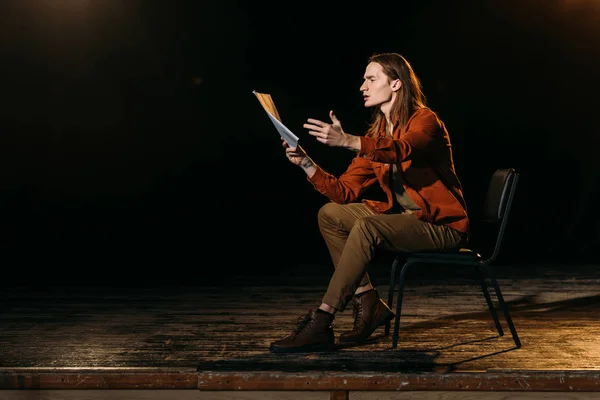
point(213, 336)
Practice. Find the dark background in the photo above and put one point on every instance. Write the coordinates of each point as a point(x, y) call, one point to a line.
point(131, 146)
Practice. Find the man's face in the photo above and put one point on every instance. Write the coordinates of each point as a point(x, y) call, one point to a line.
point(377, 89)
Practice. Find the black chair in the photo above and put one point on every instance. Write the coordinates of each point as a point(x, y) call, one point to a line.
point(496, 210)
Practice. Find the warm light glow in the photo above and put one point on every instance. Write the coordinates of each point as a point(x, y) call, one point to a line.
point(590, 4)
point(67, 5)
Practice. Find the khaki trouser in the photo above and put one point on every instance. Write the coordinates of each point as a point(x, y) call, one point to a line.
point(353, 232)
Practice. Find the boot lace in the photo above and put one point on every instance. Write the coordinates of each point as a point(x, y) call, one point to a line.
point(303, 322)
point(357, 310)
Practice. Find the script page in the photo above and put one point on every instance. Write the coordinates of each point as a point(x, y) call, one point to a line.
point(268, 105)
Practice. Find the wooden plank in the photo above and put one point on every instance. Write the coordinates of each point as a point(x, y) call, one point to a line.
point(143, 394)
point(562, 381)
point(433, 395)
point(91, 378)
point(278, 395)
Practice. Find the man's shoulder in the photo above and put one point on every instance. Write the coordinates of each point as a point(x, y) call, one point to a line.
point(425, 112)
point(425, 117)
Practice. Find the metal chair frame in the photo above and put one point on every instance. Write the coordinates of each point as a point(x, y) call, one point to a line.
point(496, 210)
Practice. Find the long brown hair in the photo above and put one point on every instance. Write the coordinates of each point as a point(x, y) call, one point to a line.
point(410, 96)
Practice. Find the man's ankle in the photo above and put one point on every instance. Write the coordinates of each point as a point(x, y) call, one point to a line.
point(327, 308)
point(363, 289)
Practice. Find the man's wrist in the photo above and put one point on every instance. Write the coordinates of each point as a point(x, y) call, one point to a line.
point(352, 142)
point(309, 167)
point(307, 163)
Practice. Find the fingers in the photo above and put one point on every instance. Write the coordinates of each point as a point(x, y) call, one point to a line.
point(315, 122)
point(322, 131)
point(333, 117)
point(312, 129)
point(316, 126)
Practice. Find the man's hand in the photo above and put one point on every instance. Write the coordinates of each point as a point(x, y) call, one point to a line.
point(294, 154)
point(332, 134)
point(298, 157)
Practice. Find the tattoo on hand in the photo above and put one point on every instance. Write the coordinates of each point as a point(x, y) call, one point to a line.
point(307, 163)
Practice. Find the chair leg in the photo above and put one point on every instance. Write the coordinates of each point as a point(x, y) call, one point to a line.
point(399, 303)
point(392, 287)
point(481, 273)
point(507, 316)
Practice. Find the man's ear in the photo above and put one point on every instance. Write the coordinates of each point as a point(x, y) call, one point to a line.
point(396, 84)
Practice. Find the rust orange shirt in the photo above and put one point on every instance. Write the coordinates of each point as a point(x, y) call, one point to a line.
point(423, 153)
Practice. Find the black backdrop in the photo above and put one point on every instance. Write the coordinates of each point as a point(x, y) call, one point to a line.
point(130, 136)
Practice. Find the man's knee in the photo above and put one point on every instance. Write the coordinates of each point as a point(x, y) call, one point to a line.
point(328, 213)
point(365, 228)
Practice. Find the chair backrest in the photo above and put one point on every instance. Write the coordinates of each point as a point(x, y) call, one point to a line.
point(498, 202)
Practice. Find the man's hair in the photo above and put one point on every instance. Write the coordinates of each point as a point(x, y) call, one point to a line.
point(410, 96)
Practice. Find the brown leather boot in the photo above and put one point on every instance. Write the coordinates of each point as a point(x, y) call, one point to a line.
point(369, 313)
point(313, 333)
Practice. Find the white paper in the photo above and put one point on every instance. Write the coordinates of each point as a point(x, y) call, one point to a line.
point(283, 130)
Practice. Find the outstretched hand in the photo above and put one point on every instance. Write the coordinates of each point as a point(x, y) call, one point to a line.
point(331, 134)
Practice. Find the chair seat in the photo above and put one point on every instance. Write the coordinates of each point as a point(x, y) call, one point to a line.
point(461, 255)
